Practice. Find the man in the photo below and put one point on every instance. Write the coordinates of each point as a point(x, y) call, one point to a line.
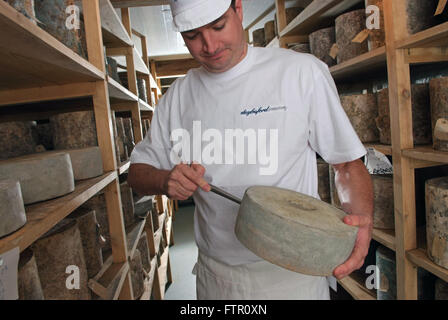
point(282, 103)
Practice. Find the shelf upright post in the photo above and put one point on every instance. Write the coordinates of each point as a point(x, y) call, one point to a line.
point(132, 77)
point(103, 118)
point(402, 138)
point(280, 11)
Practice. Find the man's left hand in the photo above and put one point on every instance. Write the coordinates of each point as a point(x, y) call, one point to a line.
point(361, 248)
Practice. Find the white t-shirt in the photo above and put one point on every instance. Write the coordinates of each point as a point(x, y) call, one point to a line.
point(287, 105)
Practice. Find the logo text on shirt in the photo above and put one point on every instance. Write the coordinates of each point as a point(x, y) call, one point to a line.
point(255, 111)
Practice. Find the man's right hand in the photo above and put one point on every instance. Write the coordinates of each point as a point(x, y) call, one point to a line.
point(183, 180)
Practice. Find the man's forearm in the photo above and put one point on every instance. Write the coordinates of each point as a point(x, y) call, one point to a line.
point(354, 186)
point(146, 179)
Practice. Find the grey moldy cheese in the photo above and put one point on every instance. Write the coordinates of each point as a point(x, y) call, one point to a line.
point(127, 202)
point(42, 176)
point(25, 7)
point(421, 15)
point(52, 17)
point(421, 119)
point(321, 42)
point(439, 110)
point(86, 162)
point(293, 230)
point(28, 280)
point(383, 192)
point(301, 47)
point(258, 38)
point(437, 220)
point(362, 111)
point(348, 26)
point(12, 210)
point(441, 290)
point(98, 204)
point(143, 247)
point(377, 37)
point(137, 276)
point(55, 251)
point(90, 238)
point(129, 133)
point(292, 13)
point(74, 130)
point(16, 139)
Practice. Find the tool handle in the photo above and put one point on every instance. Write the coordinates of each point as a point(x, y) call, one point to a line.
point(224, 194)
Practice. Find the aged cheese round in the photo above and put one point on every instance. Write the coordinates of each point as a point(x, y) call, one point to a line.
point(437, 220)
point(439, 109)
point(321, 42)
point(42, 176)
point(362, 111)
point(348, 26)
point(269, 31)
point(441, 292)
point(56, 250)
point(137, 276)
point(294, 231)
point(258, 38)
point(323, 180)
point(383, 192)
point(28, 280)
point(16, 139)
point(12, 211)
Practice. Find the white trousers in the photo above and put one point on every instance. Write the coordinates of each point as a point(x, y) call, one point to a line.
point(255, 281)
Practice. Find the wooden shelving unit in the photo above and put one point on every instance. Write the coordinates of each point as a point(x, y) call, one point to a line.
point(394, 60)
point(37, 67)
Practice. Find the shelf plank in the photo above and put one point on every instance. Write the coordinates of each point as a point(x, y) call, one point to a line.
point(168, 229)
point(119, 93)
point(124, 167)
point(420, 259)
point(31, 57)
point(426, 153)
point(162, 270)
point(374, 60)
point(385, 149)
point(42, 216)
point(317, 14)
point(114, 33)
point(134, 236)
point(144, 106)
point(385, 237)
point(356, 289)
point(433, 37)
point(109, 281)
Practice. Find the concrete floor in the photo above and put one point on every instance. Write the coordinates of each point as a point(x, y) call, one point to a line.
point(183, 256)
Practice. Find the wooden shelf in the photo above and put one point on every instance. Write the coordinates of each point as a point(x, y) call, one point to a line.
point(275, 43)
point(168, 226)
point(109, 281)
point(42, 216)
point(433, 37)
point(316, 15)
point(124, 167)
point(30, 57)
point(426, 153)
point(162, 270)
point(385, 237)
point(372, 61)
point(385, 149)
point(144, 106)
point(356, 288)
point(118, 93)
point(114, 33)
point(420, 259)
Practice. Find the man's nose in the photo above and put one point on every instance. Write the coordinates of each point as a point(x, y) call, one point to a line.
point(209, 42)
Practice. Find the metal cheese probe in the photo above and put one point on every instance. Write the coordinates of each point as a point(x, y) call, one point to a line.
point(224, 194)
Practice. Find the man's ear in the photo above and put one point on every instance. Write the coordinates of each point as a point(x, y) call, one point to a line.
point(239, 9)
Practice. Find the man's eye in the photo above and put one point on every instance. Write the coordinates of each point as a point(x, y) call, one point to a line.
point(219, 28)
point(192, 37)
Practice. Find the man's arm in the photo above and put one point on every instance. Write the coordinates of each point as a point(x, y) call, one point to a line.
point(178, 184)
point(355, 192)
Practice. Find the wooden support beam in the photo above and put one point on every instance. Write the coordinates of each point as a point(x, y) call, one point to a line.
point(281, 15)
point(426, 55)
point(116, 52)
point(175, 67)
point(49, 93)
point(402, 138)
point(126, 19)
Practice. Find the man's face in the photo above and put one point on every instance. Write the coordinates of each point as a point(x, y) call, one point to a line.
point(219, 45)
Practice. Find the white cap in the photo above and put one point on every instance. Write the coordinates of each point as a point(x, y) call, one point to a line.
point(192, 14)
